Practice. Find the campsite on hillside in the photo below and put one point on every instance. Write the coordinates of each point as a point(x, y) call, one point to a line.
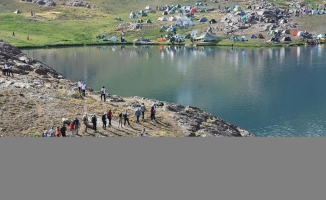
point(245, 23)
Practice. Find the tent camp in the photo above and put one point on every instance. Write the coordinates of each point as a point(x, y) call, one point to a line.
point(17, 12)
point(148, 7)
point(148, 21)
point(212, 21)
point(162, 19)
point(203, 19)
point(286, 39)
point(184, 21)
point(172, 18)
point(132, 15)
point(194, 10)
point(206, 37)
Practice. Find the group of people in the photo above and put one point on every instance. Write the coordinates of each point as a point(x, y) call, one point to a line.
point(82, 87)
point(62, 131)
point(7, 70)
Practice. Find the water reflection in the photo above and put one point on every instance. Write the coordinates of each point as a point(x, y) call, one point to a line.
point(275, 91)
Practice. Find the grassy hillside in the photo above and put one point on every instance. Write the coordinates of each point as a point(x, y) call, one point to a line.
point(64, 25)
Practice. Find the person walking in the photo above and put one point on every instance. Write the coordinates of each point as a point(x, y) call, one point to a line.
point(126, 118)
point(72, 129)
point(137, 114)
point(79, 85)
point(10, 70)
point(76, 123)
point(85, 121)
point(120, 120)
point(152, 113)
point(103, 93)
point(63, 130)
point(83, 87)
point(94, 121)
point(6, 69)
point(109, 116)
point(104, 120)
point(143, 109)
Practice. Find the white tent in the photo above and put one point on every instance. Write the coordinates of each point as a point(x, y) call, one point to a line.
point(236, 8)
point(207, 37)
point(184, 21)
point(162, 19)
point(148, 7)
point(114, 39)
point(172, 18)
point(132, 15)
point(300, 33)
point(243, 38)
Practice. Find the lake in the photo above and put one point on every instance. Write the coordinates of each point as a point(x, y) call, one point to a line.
point(267, 91)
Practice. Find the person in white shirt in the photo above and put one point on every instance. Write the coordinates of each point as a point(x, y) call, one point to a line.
point(143, 133)
point(5, 70)
point(51, 132)
point(79, 86)
point(83, 87)
point(103, 93)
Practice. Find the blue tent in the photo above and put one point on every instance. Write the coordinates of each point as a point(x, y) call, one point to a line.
point(242, 13)
point(203, 19)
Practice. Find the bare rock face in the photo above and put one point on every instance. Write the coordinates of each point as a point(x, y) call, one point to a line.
point(196, 122)
point(22, 64)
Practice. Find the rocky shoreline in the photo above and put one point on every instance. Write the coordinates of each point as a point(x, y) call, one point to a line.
point(38, 97)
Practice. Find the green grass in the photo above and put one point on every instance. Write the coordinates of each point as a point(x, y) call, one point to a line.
point(64, 25)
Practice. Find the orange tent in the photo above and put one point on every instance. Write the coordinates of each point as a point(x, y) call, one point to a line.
point(295, 32)
point(160, 40)
point(194, 10)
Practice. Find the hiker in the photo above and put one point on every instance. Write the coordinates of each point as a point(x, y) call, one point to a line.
point(57, 132)
point(28, 37)
point(104, 120)
point(83, 87)
point(137, 114)
point(85, 121)
point(143, 109)
point(103, 92)
point(79, 86)
point(72, 128)
point(13, 34)
point(109, 116)
point(143, 133)
point(152, 113)
point(120, 120)
point(63, 130)
point(126, 118)
point(94, 120)
point(76, 124)
point(51, 132)
point(45, 133)
point(10, 70)
point(5, 69)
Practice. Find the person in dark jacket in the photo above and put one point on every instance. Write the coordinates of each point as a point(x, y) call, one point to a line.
point(94, 120)
point(63, 130)
point(104, 120)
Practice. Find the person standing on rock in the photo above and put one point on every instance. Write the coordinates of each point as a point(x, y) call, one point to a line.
point(103, 93)
point(5, 70)
point(83, 87)
point(94, 121)
point(120, 119)
point(63, 130)
point(76, 123)
point(104, 120)
point(143, 109)
point(72, 128)
point(85, 121)
point(152, 113)
point(79, 85)
point(137, 114)
point(109, 116)
point(10, 70)
point(126, 118)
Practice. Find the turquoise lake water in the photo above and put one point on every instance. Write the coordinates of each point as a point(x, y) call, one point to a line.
point(268, 91)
